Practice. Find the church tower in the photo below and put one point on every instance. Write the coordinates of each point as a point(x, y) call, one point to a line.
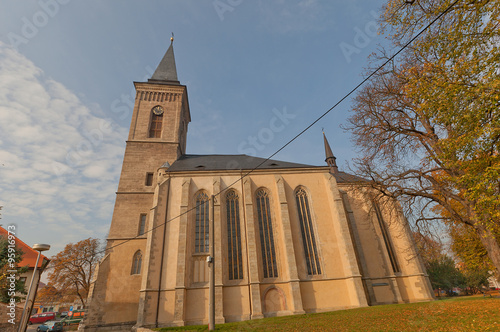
point(159, 126)
point(157, 135)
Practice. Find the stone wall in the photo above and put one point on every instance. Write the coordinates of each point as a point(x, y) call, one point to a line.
point(6, 315)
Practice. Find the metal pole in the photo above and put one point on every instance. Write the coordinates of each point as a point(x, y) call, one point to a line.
point(211, 265)
point(25, 316)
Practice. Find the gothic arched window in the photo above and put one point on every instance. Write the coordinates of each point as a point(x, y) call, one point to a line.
point(136, 263)
point(307, 232)
point(270, 266)
point(235, 265)
point(201, 239)
point(156, 122)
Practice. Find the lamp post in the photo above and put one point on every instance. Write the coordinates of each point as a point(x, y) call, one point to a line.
point(211, 264)
point(29, 301)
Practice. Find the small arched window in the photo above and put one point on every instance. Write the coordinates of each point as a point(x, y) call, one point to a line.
point(202, 237)
point(137, 263)
point(270, 266)
point(156, 122)
point(307, 232)
point(234, 259)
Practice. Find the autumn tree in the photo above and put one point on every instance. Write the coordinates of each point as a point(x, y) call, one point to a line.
point(467, 246)
point(48, 294)
point(428, 248)
point(428, 123)
point(475, 263)
point(71, 270)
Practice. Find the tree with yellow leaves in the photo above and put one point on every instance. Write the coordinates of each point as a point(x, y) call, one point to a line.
point(70, 271)
point(428, 123)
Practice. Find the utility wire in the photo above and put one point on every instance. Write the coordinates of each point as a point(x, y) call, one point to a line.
point(300, 133)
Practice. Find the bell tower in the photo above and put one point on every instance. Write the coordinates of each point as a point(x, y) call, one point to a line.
point(157, 135)
point(158, 128)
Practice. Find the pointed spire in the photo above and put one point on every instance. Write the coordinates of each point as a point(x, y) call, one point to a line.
point(166, 70)
point(330, 158)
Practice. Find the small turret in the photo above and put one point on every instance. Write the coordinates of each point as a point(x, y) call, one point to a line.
point(330, 158)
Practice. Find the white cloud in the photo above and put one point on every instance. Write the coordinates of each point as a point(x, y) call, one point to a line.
point(59, 162)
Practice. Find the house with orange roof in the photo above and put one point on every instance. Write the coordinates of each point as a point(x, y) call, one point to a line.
point(29, 259)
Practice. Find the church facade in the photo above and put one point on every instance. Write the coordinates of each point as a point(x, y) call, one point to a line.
point(289, 238)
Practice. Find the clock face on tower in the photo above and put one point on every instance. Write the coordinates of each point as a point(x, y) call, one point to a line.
point(158, 110)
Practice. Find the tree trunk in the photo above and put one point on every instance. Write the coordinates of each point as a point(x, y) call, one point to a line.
point(491, 244)
point(79, 295)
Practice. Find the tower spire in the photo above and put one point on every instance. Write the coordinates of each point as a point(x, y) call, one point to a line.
point(166, 70)
point(330, 158)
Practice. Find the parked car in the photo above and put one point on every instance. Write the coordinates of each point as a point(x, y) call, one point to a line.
point(42, 318)
point(63, 314)
point(50, 326)
point(74, 317)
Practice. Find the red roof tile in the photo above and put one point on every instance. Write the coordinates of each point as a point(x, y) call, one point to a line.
point(29, 255)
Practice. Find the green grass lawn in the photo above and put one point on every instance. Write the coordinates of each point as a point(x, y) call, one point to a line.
point(453, 314)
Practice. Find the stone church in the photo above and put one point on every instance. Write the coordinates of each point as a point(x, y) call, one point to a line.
point(289, 238)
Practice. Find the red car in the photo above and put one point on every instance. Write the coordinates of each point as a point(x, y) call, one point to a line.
point(42, 318)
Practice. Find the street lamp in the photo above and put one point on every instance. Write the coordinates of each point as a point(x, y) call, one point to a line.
point(29, 302)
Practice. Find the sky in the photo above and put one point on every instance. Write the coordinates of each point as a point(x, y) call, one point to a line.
point(67, 69)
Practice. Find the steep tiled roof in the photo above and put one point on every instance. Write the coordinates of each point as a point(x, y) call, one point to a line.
point(216, 162)
point(212, 162)
point(29, 255)
point(343, 177)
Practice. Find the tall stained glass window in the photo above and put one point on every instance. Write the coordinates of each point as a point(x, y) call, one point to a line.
point(201, 223)
point(307, 232)
point(235, 265)
point(266, 235)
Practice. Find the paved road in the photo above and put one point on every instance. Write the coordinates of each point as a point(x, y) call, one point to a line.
point(32, 327)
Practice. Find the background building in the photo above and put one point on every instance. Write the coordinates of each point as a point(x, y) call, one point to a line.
point(28, 260)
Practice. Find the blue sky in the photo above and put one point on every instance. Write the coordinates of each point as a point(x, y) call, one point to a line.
point(66, 73)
